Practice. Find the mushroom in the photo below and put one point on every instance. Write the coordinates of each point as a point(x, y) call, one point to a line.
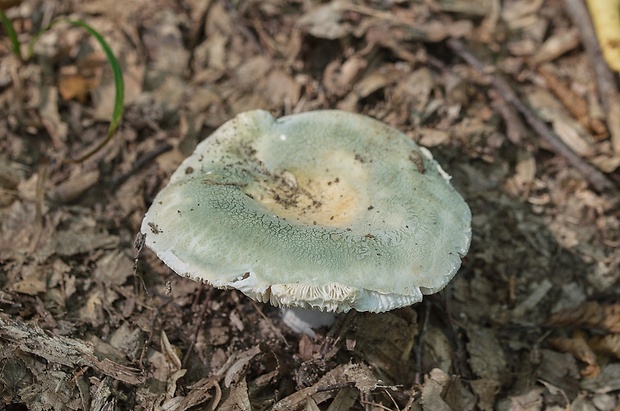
point(326, 210)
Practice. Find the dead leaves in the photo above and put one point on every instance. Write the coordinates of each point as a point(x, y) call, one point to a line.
point(579, 348)
point(487, 358)
point(326, 21)
point(76, 82)
point(65, 351)
point(232, 387)
point(388, 28)
point(442, 392)
point(386, 341)
point(605, 317)
point(608, 344)
point(190, 66)
point(573, 102)
point(329, 386)
point(589, 350)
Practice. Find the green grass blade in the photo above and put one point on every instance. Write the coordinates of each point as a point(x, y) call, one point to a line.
point(10, 31)
point(119, 99)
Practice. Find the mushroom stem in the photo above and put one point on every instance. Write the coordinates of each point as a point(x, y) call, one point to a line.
point(303, 320)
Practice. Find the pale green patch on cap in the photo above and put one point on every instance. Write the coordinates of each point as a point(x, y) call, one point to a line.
point(325, 209)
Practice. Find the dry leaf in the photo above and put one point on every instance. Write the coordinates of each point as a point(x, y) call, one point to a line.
point(72, 85)
point(580, 349)
point(487, 357)
point(238, 399)
point(532, 400)
point(555, 46)
point(385, 340)
point(325, 21)
point(573, 102)
point(357, 374)
point(440, 392)
point(485, 390)
point(431, 391)
point(607, 381)
point(344, 400)
point(609, 344)
point(114, 268)
point(591, 315)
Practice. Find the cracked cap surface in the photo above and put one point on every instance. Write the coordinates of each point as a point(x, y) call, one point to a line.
point(324, 209)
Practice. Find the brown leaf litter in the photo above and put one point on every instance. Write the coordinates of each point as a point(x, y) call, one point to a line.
point(492, 88)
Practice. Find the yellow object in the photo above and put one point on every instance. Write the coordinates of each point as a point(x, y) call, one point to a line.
point(606, 18)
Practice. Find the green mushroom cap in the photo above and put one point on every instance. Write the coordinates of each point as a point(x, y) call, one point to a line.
point(324, 209)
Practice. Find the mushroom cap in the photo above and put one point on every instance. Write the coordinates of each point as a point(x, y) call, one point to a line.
point(324, 209)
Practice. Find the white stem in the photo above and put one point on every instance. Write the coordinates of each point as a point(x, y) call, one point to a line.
point(303, 320)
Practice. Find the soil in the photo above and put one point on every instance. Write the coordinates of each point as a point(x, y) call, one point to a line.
point(504, 94)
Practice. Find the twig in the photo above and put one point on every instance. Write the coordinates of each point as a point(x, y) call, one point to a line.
point(607, 87)
point(596, 178)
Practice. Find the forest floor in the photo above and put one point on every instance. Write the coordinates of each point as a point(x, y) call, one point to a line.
point(530, 322)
